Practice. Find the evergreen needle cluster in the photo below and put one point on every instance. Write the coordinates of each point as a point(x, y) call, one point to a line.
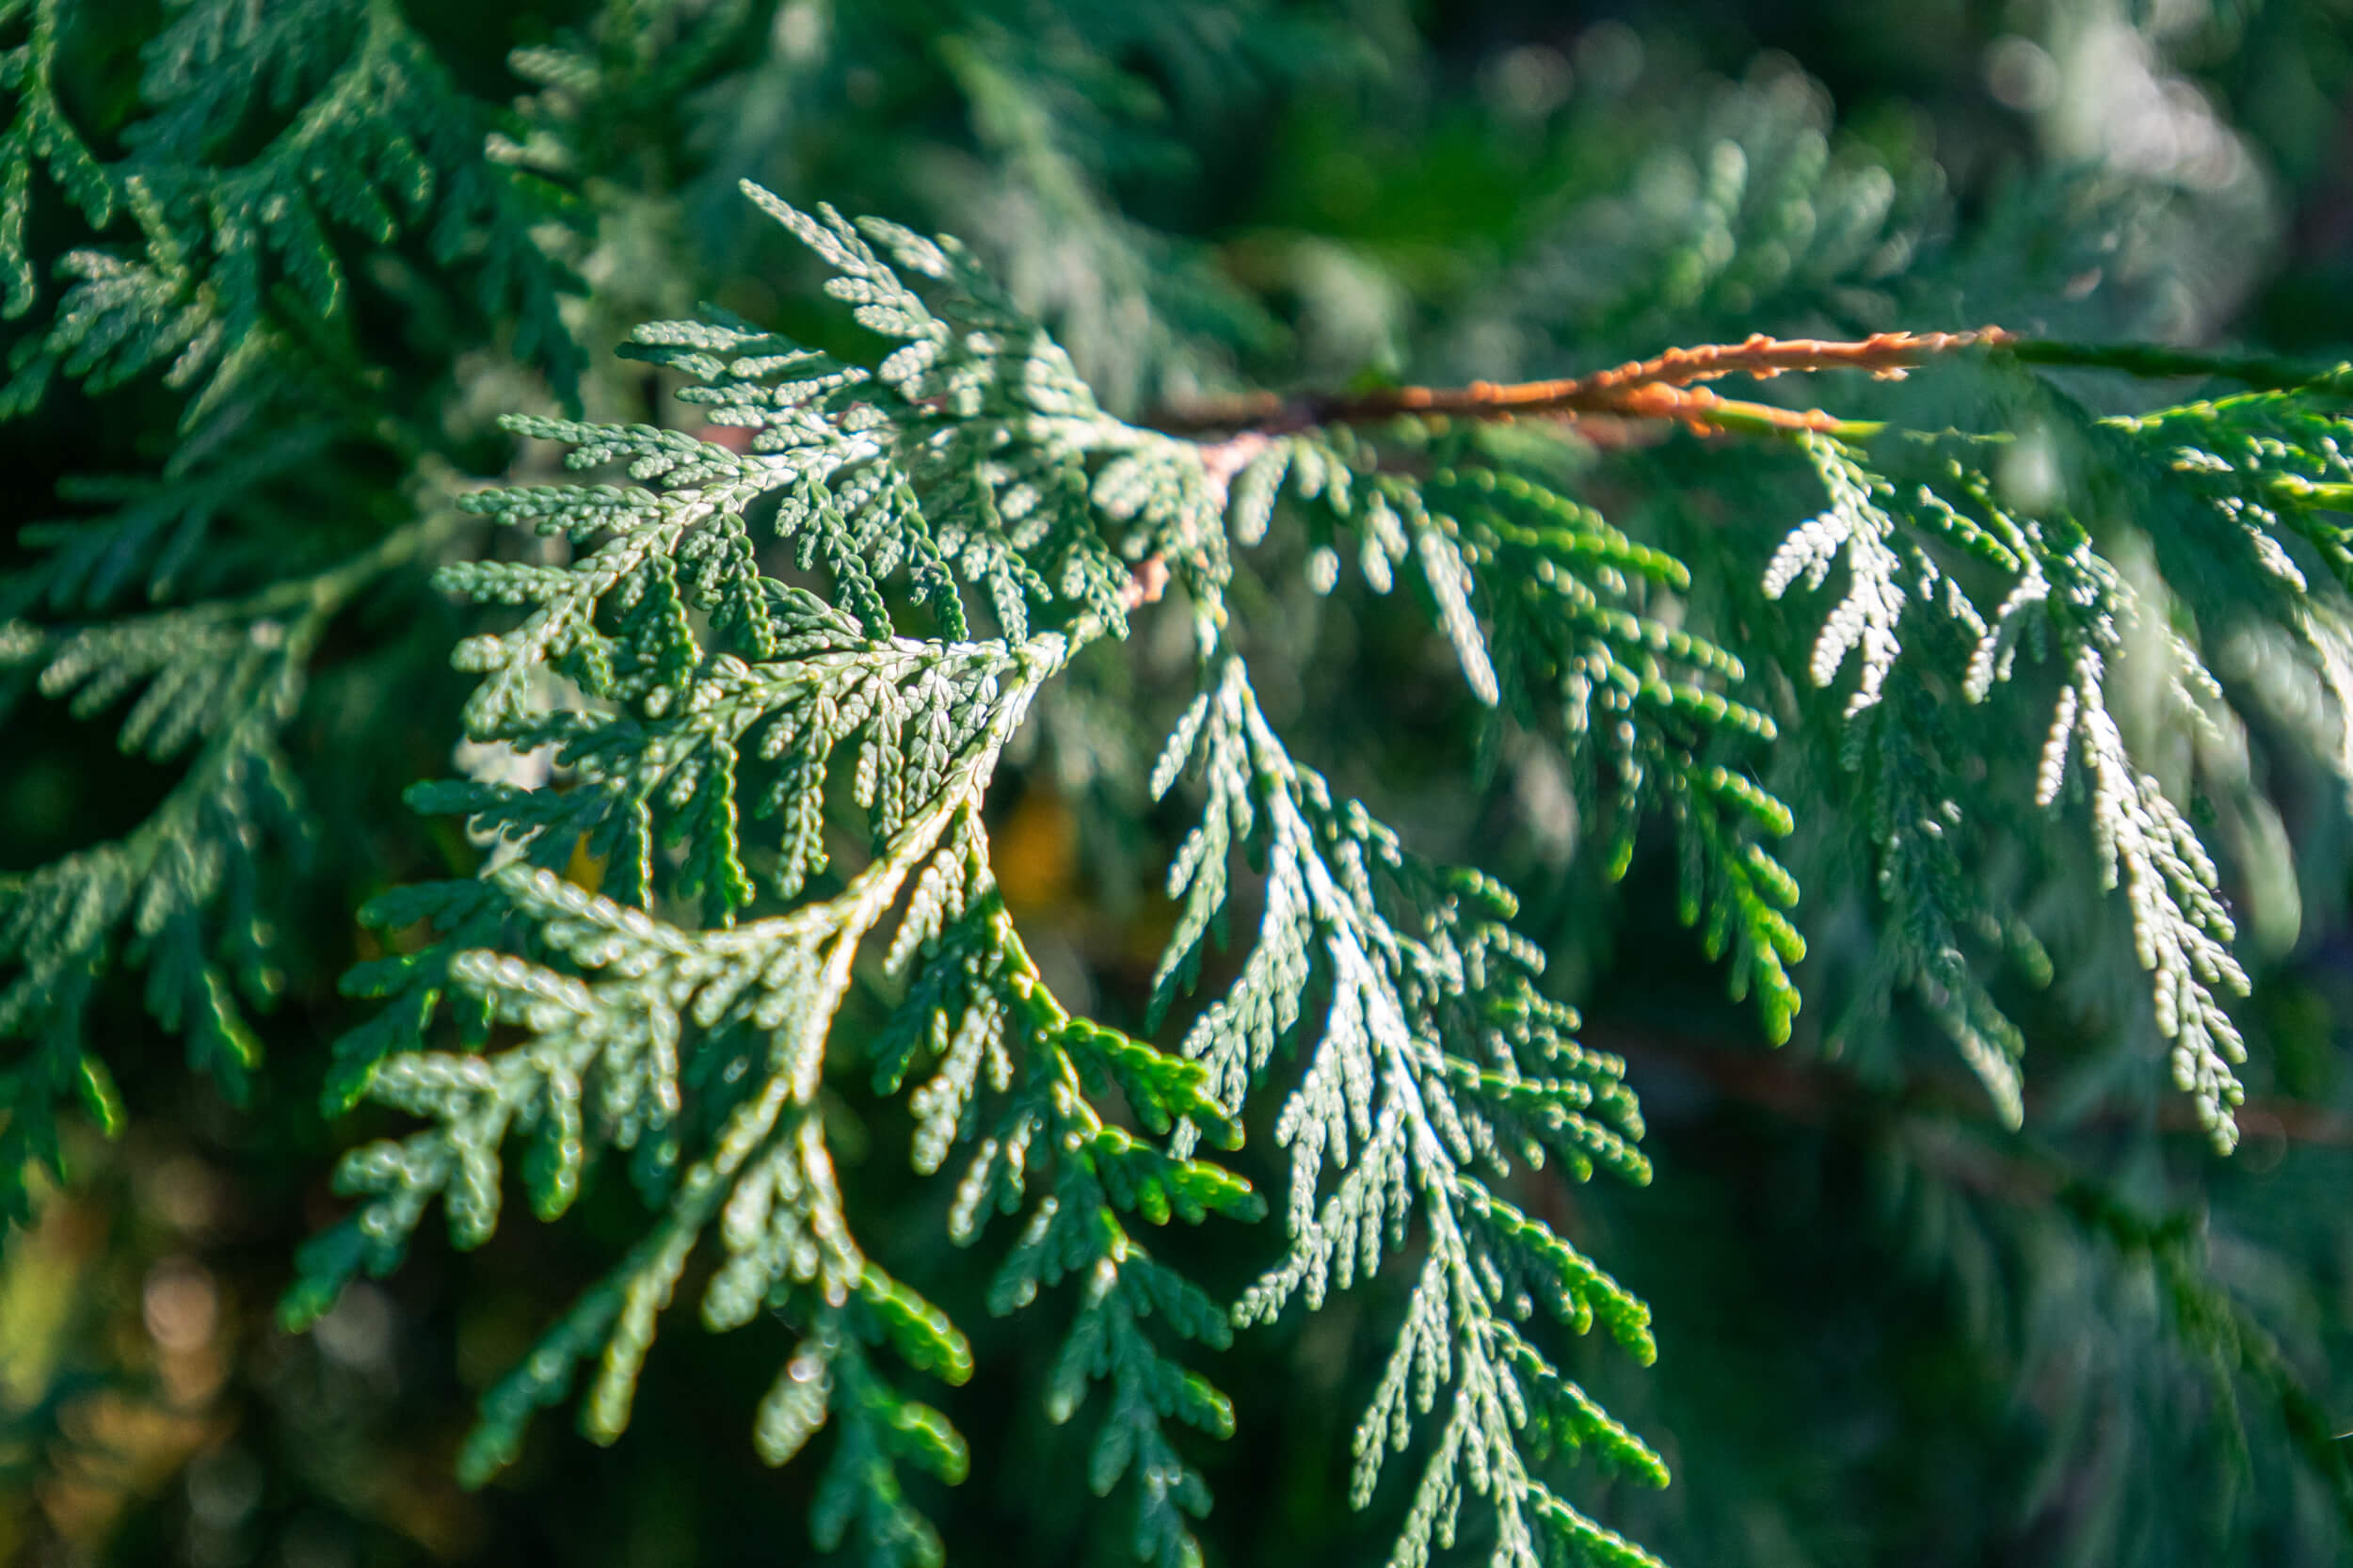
point(967, 481)
point(744, 689)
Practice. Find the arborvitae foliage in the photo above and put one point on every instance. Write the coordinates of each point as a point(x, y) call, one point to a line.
point(266, 144)
point(262, 132)
point(970, 475)
point(1993, 659)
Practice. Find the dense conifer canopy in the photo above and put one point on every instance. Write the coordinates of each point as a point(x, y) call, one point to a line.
point(920, 752)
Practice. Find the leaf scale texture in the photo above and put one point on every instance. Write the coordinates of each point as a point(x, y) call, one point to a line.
point(1023, 855)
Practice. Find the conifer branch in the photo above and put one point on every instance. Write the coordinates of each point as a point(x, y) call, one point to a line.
point(2025, 706)
point(233, 285)
point(978, 518)
point(1436, 1066)
point(178, 892)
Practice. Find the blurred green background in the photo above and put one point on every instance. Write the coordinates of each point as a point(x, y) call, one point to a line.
point(1890, 1332)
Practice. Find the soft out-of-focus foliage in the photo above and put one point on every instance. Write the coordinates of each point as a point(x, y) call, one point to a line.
point(1986, 743)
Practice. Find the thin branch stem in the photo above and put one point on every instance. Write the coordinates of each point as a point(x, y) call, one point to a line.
point(1663, 388)
point(1668, 387)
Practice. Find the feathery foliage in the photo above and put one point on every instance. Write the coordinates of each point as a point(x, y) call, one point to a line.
point(1967, 677)
point(227, 273)
point(264, 145)
point(1434, 1064)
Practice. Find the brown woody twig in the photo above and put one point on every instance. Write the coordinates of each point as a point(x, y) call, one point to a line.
point(1664, 388)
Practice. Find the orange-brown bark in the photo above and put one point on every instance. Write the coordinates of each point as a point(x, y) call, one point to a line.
point(1662, 388)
